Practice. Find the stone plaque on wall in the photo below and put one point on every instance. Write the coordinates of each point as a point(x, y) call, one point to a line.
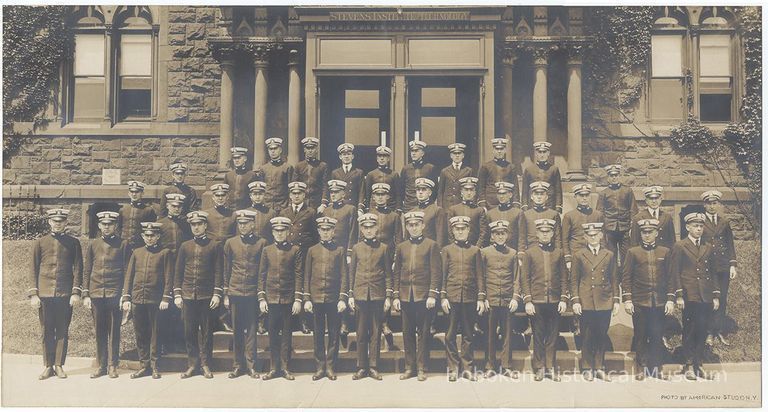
point(110, 176)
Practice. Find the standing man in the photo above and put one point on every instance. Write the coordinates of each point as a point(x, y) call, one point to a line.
point(505, 210)
point(313, 172)
point(418, 168)
point(497, 170)
point(647, 285)
point(55, 283)
point(617, 203)
point(326, 283)
point(478, 222)
point(666, 227)
point(197, 290)
point(543, 170)
point(573, 221)
point(134, 213)
point(448, 187)
point(382, 174)
point(221, 219)
point(263, 213)
point(238, 179)
point(595, 288)
point(417, 280)
point(544, 283)
point(698, 291)
point(370, 294)
point(718, 233)
point(105, 260)
point(242, 255)
point(281, 283)
point(435, 220)
point(347, 173)
point(528, 230)
point(147, 289)
point(177, 185)
point(276, 173)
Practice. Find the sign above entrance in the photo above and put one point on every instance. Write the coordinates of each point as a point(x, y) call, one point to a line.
point(398, 15)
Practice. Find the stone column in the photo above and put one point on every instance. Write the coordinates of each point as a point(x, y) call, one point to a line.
point(507, 107)
point(294, 107)
point(575, 171)
point(260, 65)
point(540, 61)
point(227, 122)
point(109, 90)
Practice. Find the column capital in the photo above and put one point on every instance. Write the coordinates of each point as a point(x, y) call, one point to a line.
point(260, 53)
point(575, 54)
point(509, 55)
point(541, 54)
point(294, 57)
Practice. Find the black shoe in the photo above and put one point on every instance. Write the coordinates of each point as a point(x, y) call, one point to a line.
point(113, 372)
point(408, 374)
point(421, 376)
point(344, 331)
point(271, 375)
point(253, 374)
point(509, 373)
point(141, 373)
point(98, 373)
point(156, 374)
point(226, 326)
point(385, 330)
point(330, 374)
point(304, 328)
point(468, 375)
point(710, 340)
point(588, 376)
point(722, 340)
point(640, 376)
point(389, 342)
point(261, 330)
point(318, 375)
point(689, 373)
point(452, 376)
point(59, 371)
point(190, 373)
point(700, 373)
point(490, 373)
point(360, 374)
point(237, 372)
point(47, 373)
point(554, 375)
point(288, 376)
point(207, 372)
point(373, 373)
point(600, 374)
point(539, 375)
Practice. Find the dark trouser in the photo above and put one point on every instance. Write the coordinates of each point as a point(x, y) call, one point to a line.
point(649, 325)
point(416, 319)
point(171, 326)
point(369, 316)
point(594, 333)
point(499, 316)
point(718, 321)
point(618, 243)
point(461, 315)
point(326, 313)
point(545, 324)
point(198, 320)
point(696, 320)
point(106, 318)
point(55, 315)
point(147, 327)
point(245, 315)
point(280, 335)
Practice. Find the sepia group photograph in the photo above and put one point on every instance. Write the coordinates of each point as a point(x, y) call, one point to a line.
point(382, 205)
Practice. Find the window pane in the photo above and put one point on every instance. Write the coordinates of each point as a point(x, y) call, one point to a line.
point(715, 107)
point(666, 99)
point(715, 55)
point(438, 97)
point(666, 55)
point(89, 55)
point(361, 99)
point(361, 131)
point(89, 99)
point(438, 131)
point(135, 55)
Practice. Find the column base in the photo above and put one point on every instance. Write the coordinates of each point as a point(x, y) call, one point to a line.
point(576, 176)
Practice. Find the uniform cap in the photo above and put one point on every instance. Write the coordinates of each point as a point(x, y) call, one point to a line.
point(135, 186)
point(540, 185)
point(648, 224)
point(590, 228)
point(582, 189)
point(238, 151)
point(415, 215)
point(542, 146)
point(336, 185)
point(417, 144)
point(424, 182)
point(280, 223)
point(107, 216)
point(457, 147)
point(711, 195)
point(220, 188)
point(274, 141)
point(175, 198)
point(368, 219)
point(58, 214)
point(503, 187)
point(297, 186)
point(245, 215)
point(544, 225)
point(178, 166)
point(197, 216)
point(326, 222)
point(150, 227)
point(653, 191)
point(310, 141)
point(613, 169)
point(345, 147)
point(458, 221)
point(380, 188)
point(384, 150)
point(499, 225)
point(695, 218)
point(257, 186)
point(468, 182)
point(499, 142)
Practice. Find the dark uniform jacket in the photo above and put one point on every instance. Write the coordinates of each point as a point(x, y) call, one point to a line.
point(131, 217)
point(527, 229)
point(463, 277)
point(354, 180)
point(418, 274)
point(221, 223)
point(646, 276)
point(276, 174)
point(302, 232)
point(174, 232)
point(502, 283)
point(198, 269)
point(543, 276)
point(594, 281)
point(381, 175)
point(666, 235)
point(57, 267)
point(104, 267)
point(281, 279)
point(408, 177)
point(370, 271)
point(190, 198)
point(618, 206)
point(448, 188)
point(496, 171)
point(546, 172)
point(325, 276)
point(573, 233)
point(478, 222)
point(262, 226)
point(238, 181)
point(720, 236)
point(346, 231)
point(149, 276)
point(316, 175)
point(242, 255)
point(435, 222)
point(511, 215)
point(390, 226)
point(693, 271)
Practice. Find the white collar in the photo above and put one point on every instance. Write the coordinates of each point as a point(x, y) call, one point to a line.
point(297, 207)
point(456, 165)
point(594, 250)
point(693, 240)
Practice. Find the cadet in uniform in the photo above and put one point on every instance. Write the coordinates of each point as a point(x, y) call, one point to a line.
point(647, 286)
point(538, 210)
point(502, 285)
point(221, 219)
point(435, 221)
point(326, 283)
point(147, 289)
point(543, 170)
point(666, 226)
point(497, 170)
point(382, 174)
point(544, 284)
point(263, 213)
point(718, 233)
point(594, 285)
point(105, 259)
point(505, 210)
point(417, 281)
point(313, 172)
point(698, 292)
point(370, 294)
point(134, 213)
point(55, 283)
point(478, 223)
point(276, 173)
point(448, 188)
point(411, 172)
point(238, 179)
point(390, 227)
point(462, 297)
point(617, 203)
point(179, 173)
point(281, 291)
point(242, 255)
point(347, 173)
point(573, 232)
point(197, 291)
